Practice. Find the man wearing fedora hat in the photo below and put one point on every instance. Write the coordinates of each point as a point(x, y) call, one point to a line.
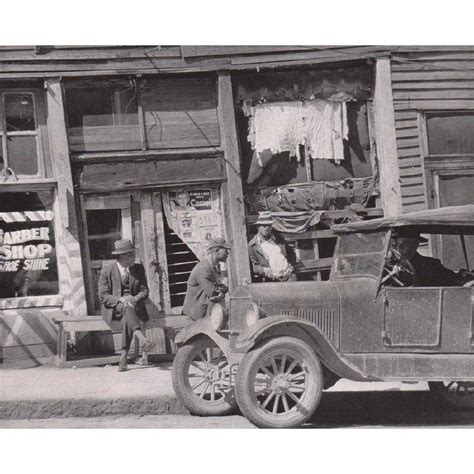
point(428, 271)
point(205, 282)
point(268, 253)
point(122, 292)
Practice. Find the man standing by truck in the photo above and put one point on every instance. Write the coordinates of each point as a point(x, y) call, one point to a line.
point(205, 282)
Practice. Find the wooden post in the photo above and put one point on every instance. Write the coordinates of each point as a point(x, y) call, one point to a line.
point(71, 280)
point(238, 266)
point(385, 138)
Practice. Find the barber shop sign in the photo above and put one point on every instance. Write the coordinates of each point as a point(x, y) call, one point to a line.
point(28, 248)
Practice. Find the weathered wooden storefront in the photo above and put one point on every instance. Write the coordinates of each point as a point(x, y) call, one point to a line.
point(171, 146)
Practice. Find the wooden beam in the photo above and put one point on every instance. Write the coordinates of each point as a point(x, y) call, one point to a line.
point(154, 304)
point(71, 280)
point(385, 138)
point(175, 153)
point(233, 198)
point(119, 176)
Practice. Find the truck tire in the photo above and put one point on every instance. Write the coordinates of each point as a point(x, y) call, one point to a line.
point(279, 383)
point(201, 378)
point(458, 395)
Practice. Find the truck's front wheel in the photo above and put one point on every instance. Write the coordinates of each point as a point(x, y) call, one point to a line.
point(279, 383)
point(201, 378)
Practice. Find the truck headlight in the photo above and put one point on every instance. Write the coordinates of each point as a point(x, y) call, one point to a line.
point(254, 313)
point(218, 317)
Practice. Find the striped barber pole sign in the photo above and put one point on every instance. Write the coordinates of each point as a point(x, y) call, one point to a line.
point(26, 216)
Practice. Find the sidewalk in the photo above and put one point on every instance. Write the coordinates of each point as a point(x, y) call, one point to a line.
point(48, 392)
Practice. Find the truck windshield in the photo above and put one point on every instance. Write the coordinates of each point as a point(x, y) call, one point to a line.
point(361, 243)
point(360, 254)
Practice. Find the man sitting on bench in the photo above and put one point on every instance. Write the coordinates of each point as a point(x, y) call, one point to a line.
point(122, 292)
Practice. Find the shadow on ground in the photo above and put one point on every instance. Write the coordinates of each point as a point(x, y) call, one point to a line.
point(387, 409)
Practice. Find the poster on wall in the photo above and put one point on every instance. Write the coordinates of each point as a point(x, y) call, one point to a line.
point(28, 265)
point(194, 214)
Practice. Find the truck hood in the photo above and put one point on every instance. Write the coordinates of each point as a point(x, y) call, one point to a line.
point(295, 298)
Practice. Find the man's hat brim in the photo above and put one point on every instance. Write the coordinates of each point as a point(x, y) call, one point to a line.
point(120, 252)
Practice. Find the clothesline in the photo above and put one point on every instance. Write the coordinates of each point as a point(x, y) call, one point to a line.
point(319, 125)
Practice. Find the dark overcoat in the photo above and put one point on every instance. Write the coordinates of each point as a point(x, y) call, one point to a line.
point(202, 284)
point(110, 290)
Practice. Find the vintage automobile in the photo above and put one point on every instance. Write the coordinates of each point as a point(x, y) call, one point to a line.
point(279, 345)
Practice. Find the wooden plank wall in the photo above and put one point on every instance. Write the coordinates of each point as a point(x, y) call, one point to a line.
point(425, 78)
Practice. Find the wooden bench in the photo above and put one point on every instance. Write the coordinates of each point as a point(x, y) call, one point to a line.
point(68, 324)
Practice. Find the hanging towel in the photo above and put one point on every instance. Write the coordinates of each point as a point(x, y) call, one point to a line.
point(277, 127)
point(325, 128)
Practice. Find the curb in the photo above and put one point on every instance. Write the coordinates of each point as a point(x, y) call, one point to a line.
point(35, 409)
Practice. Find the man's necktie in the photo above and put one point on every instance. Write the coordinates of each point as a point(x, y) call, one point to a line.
point(125, 277)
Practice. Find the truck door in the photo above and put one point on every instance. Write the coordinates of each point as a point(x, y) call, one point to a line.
point(435, 319)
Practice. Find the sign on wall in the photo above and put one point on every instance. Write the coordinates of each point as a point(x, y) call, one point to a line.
point(28, 265)
point(194, 214)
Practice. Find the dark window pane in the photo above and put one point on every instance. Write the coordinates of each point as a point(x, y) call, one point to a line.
point(451, 133)
point(89, 107)
point(104, 228)
point(23, 154)
point(101, 107)
point(19, 112)
point(28, 266)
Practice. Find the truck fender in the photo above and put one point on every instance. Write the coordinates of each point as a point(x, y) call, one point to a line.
point(304, 330)
point(202, 327)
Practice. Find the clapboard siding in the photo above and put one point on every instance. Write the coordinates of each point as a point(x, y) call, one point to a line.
point(424, 79)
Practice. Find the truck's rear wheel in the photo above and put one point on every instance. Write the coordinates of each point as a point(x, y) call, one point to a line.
point(279, 383)
point(201, 378)
point(459, 395)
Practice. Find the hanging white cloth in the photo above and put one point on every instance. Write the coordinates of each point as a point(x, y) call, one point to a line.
point(325, 128)
point(320, 125)
point(277, 127)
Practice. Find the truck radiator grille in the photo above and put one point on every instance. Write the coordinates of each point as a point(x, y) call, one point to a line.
point(324, 319)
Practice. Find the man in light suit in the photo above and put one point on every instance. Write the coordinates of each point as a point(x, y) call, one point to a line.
point(122, 292)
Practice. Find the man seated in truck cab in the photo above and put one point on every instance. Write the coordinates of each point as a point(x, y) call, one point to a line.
point(426, 271)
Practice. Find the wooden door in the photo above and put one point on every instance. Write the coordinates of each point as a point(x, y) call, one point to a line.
point(106, 218)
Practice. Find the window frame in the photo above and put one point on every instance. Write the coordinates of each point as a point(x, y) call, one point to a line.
point(425, 115)
point(4, 134)
point(36, 301)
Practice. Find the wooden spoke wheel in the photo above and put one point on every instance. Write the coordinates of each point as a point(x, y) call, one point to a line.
point(279, 383)
point(201, 378)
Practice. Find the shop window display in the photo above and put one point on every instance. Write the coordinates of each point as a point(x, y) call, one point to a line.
point(28, 263)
